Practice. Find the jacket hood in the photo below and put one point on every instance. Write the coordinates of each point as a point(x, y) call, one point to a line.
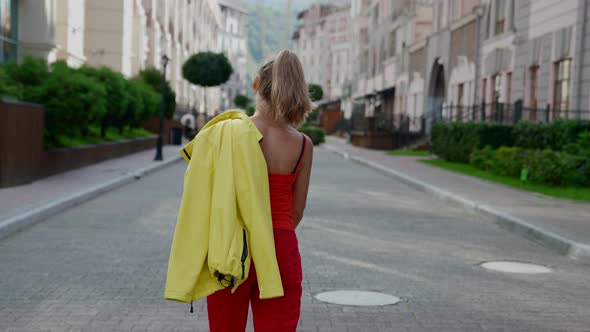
point(187, 150)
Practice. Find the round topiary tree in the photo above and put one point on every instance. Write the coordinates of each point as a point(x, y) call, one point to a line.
point(207, 69)
point(315, 92)
point(241, 101)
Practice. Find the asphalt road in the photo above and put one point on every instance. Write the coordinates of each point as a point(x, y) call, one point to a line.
point(101, 266)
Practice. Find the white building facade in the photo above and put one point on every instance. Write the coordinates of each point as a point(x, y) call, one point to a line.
point(322, 42)
point(233, 42)
point(125, 35)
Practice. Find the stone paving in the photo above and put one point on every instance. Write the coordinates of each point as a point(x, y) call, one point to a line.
point(101, 266)
point(19, 199)
point(567, 218)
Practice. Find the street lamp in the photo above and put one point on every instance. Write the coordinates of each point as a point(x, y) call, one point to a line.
point(164, 60)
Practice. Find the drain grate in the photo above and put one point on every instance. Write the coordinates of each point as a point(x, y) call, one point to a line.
point(357, 298)
point(515, 267)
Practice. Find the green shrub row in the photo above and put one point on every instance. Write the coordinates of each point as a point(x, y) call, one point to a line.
point(455, 141)
point(316, 134)
point(555, 136)
point(543, 166)
point(75, 99)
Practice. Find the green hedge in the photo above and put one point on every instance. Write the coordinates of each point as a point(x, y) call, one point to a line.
point(554, 136)
point(544, 166)
point(72, 100)
point(455, 141)
point(316, 134)
point(77, 99)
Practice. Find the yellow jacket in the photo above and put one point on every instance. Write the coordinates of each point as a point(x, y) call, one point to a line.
point(224, 220)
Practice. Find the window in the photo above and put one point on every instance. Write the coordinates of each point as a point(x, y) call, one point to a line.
point(508, 88)
point(497, 86)
point(392, 43)
point(483, 91)
point(8, 24)
point(533, 84)
point(561, 95)
point(500, 17)
point(460, 95)
point(375, 15)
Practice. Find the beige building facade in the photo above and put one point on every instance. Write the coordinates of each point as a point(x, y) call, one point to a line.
point(233, 42)
point(322, 42)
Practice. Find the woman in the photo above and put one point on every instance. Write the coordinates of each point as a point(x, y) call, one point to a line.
point(282, 101)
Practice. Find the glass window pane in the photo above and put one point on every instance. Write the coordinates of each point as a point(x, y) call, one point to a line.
point(567, 68)
point(8, 51)
point(6, 19)
point(500, 9)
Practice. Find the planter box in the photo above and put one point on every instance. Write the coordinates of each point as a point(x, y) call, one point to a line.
point(153, 125)
point(62, 160)
point(21, 142)
point(372, 140)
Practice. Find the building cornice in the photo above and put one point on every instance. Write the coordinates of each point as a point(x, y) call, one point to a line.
point(462, 21)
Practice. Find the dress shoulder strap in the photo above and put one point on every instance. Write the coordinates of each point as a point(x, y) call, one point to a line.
point(300, 155)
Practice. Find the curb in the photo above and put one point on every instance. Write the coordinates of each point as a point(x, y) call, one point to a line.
point(564, 246)
point(31, 217)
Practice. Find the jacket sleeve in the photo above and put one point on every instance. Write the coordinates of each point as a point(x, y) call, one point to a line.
point(253, 198)
point(189, 246)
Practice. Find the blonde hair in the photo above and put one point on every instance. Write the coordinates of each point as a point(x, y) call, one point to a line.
point(282, 85)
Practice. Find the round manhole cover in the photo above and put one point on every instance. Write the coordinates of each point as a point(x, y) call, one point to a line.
point(515, 267)
point(357, 298)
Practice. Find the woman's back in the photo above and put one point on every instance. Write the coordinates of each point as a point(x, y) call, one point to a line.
point(284, 149)
point(281, 145)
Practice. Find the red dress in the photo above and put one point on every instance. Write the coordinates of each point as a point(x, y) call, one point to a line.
point(229, 312)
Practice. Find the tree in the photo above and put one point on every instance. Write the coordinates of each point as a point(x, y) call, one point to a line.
point(207, 69)
point(315, 92)
point(153, 78)
point(241, 101)
point(250, 110)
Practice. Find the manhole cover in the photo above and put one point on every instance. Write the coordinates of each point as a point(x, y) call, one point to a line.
point(357, 298)
point(515, 267)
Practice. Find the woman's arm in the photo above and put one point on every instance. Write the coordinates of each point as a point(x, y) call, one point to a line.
point(302, 183)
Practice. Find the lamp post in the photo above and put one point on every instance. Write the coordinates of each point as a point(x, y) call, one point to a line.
point(159, 157)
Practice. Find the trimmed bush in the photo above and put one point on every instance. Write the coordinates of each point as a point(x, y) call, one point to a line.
point(27, 76)
point(544, 166)
point(8, 87)
point(153, 78)
point(117, 96)
point(72, 101)
point(555, 136)
point(143, 104)
point(456, 141)
point(316, 134)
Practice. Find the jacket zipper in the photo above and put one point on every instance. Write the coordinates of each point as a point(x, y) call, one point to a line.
point(244, 252)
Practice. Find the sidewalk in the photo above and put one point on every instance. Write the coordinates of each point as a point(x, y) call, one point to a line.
point(562, 225)
point(27, 204)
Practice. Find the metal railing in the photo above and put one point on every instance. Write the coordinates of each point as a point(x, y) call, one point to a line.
point(406, 129)
point(506, 113)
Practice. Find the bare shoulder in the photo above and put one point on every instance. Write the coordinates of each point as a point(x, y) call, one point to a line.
point(308, 148)
point(308, 142)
